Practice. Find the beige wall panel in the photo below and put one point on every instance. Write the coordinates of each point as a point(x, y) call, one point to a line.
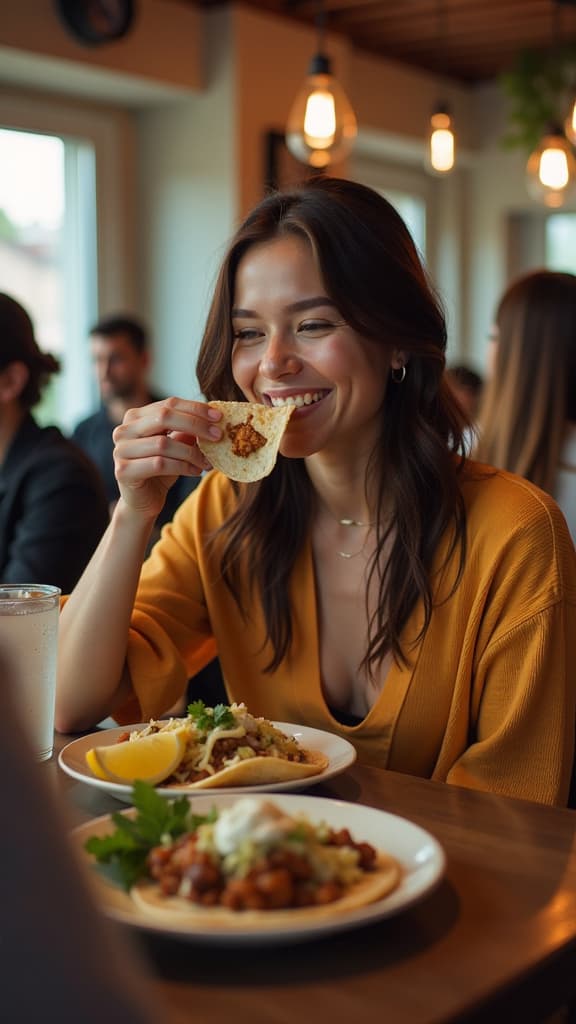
point(164, 44)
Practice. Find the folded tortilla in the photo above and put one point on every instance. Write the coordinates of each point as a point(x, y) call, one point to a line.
point(251, 436)
point(261, 770)
point(374, 885)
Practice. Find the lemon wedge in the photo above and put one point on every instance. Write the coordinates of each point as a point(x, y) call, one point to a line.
point(151, 758)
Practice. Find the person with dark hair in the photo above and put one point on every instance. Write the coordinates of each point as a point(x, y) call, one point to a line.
point(121, 357)
point(467, 386)
point(53, 509)
point(376, 584)
point(528, 418)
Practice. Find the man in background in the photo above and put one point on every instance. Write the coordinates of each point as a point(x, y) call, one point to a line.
point(121, 358)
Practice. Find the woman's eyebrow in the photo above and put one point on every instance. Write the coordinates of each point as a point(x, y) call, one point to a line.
point(294, 307)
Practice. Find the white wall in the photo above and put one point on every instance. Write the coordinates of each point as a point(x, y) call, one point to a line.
point(186, 209)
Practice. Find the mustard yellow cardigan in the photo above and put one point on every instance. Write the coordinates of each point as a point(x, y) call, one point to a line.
point(489, 698)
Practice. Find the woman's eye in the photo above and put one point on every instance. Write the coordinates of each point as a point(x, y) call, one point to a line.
point(245, 335)
point(315, 328)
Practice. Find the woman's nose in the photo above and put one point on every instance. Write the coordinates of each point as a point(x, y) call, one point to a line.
point(279, 356)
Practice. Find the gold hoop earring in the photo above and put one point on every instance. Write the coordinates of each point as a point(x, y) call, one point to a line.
point(398, 373)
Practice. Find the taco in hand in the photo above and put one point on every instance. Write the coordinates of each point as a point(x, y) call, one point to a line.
point(255, 863)
point(251, 436)
point(227, 746)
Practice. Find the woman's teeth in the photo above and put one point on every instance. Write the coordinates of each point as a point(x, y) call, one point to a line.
point(298, 400)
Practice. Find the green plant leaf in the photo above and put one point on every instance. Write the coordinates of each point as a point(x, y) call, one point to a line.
point(538, 87)
point(124, 851)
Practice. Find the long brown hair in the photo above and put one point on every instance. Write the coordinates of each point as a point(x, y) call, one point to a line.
point(532, 390)
point(371, 269)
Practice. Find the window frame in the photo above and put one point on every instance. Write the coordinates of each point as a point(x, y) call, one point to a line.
point(99, 223)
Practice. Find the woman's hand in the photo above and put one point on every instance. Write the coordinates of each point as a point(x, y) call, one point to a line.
point(155, 444)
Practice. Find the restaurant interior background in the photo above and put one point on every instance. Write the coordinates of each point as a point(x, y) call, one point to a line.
point(165, 140)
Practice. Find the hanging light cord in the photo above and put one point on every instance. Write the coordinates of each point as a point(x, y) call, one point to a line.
point(440, 24)
point(320, 20)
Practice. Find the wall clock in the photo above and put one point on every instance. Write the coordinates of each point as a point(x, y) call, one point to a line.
point(93, 22)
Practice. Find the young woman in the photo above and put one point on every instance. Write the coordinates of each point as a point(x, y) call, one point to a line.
point(528, 422)
point(375, 584)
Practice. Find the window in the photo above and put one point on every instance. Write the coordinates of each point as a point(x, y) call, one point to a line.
point(412, 209)
point(407, 187)
point(47, 254)
point(560, 241)
point(96, 253)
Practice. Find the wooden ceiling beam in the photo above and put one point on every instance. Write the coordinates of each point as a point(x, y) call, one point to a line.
point(470, 40)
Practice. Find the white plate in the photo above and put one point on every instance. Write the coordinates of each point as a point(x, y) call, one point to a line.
point(419, 854)
point(340, 753)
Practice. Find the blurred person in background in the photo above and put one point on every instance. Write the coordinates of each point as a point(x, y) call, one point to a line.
point(467, 386)
point(121, 358)
point(53, 509)
point(528, 416)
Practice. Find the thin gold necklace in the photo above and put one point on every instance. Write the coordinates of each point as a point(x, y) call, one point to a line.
point(353, 522)
point(349, 521)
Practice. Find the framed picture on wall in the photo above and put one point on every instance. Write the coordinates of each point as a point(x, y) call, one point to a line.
point(281, 169)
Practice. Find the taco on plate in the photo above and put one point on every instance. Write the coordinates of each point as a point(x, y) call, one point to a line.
point(255, 863)
point(227, 746)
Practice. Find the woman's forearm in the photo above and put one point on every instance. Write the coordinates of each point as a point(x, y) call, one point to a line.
point(94, 625)
point(154, 444)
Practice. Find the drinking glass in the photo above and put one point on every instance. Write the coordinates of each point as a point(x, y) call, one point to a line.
point(28, 648)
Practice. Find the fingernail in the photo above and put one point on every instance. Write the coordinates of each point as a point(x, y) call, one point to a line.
point(214, 414)
point(215, 432)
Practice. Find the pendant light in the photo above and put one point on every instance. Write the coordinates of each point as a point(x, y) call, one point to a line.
point(551, 169)
point(441, 153)
point(441, 148)
point(321, 126)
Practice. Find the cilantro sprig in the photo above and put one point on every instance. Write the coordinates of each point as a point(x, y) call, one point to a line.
point(123, 853)
point(205, 719)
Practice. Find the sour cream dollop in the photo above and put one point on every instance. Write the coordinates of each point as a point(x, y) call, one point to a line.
point(250, 818)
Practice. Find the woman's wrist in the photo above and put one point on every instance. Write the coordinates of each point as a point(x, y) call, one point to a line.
point(128, 514)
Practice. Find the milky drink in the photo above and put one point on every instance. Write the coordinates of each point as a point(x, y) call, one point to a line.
point(28, 647)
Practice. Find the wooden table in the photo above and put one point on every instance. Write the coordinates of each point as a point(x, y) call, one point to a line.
point(496, 941)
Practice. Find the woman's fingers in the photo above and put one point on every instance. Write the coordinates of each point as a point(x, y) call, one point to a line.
point(139, 471)
point(172, 415)
point(157, 443)
point(165, 453)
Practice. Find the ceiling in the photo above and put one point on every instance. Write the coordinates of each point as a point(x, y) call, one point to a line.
point(466, 40)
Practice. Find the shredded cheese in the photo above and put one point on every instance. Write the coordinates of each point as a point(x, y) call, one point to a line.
point(217, 734)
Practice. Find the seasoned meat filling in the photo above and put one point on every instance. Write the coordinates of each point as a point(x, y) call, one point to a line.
point(279, 879)
point(245, 439)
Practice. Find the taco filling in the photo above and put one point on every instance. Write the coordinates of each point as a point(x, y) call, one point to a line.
point(227, 746)
point(255, 858)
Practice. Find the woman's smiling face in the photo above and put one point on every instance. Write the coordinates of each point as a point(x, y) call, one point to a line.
point(292, 345)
